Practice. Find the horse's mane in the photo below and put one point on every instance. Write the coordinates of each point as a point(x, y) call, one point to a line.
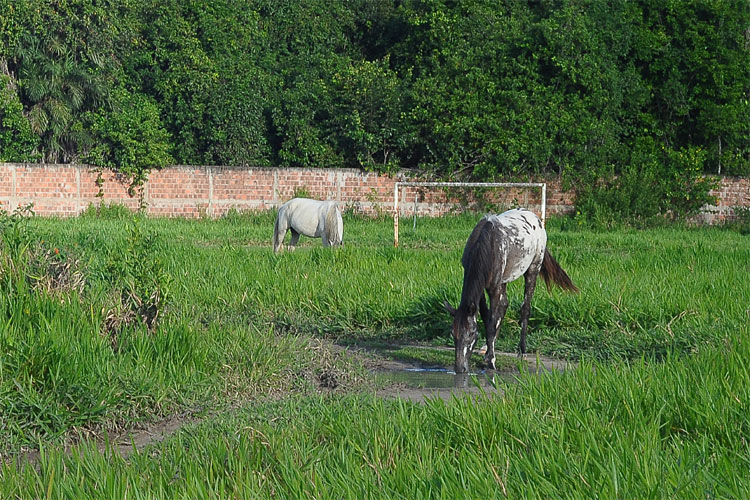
point(332, 225)
point(477, 263)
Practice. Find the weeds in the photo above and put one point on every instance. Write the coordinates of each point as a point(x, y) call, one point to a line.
point(32, 261)
point(741, 220)
point(141, 289)
point(55, 272)
point(14, 239)
point(114, 211)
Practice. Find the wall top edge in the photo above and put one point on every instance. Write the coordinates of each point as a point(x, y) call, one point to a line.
point(203, 167)
point(400, 176)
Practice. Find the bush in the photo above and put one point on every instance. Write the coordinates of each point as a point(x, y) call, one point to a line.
point(659, 183)
point(130, 137)
point(741, 220)
point(140, 284)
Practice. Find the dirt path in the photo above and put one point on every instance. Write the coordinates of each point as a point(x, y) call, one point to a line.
point(126, 442)
point(377, 362)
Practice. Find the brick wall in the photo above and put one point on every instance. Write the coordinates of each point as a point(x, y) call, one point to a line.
point(182, 191)
point(731, 192)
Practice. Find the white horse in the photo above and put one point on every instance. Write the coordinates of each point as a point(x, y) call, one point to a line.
point(313, 218)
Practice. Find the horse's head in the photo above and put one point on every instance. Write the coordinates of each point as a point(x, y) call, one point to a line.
point(464, 333)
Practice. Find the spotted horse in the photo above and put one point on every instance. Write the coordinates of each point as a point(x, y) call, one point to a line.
point(500, 249)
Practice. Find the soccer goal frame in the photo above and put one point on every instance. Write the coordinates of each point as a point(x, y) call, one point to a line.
point(541, 185)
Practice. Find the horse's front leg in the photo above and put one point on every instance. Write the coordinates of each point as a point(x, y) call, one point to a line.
point(484, 312)
point(498, 306)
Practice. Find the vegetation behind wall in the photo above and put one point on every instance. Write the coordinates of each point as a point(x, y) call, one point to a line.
point(635, 101)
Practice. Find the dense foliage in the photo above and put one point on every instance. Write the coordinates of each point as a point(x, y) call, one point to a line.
point(624, 92)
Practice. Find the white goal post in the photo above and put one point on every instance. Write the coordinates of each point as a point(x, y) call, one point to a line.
point(541, 185)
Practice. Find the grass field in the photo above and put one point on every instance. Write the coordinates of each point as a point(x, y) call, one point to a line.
point(658, 405)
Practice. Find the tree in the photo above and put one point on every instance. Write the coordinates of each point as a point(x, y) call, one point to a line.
point(17, 141)
point(129, 137)
point(65, 63)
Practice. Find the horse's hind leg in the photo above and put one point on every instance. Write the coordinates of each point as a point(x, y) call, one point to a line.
point(492, 320)
point(528, 292)
point(294, 240)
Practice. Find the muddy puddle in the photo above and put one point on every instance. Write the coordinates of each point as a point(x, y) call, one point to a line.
point(416, 382)
point(440, 378)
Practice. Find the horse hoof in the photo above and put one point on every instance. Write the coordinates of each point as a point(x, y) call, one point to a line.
point(489, 364)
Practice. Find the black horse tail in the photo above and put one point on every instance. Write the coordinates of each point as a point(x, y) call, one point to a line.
point(553, 273)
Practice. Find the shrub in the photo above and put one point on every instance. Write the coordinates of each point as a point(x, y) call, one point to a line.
point(130, 137)
point(741, 220)
point(141, 283)
point(658, 183)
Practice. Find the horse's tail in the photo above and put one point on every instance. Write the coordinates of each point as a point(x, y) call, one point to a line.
point(334, 227)
point(553, 273)
point(276, 240)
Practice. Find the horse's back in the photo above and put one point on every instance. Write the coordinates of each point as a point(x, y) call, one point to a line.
point(303, 215)
point(310, 217)
point(518, 242)
point(517, 217)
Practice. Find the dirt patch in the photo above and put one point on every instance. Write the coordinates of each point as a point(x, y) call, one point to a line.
point(123, 443)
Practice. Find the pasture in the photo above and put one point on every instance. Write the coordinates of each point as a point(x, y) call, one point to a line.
point(244, 343)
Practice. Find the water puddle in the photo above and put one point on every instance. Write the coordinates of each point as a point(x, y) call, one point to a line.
point(403, 371)
point(441, 378)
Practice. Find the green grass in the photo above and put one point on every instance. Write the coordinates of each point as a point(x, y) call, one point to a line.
point(658, 406)
point(634, 430)
point(642, 291)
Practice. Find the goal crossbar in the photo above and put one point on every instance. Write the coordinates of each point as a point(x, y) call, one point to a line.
point(541, 185)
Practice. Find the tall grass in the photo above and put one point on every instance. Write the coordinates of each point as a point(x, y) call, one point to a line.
point(657, 408)
point(64, 369)
point(678, 429)
point(647, 291)
point(641, 290)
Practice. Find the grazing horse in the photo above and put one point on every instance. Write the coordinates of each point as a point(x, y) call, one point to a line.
point(500, 249)
point(313, 218)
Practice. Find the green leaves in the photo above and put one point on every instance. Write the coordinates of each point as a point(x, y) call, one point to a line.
point(17, 140)
point(480, 90)
point(660, 182)
point(129, 137)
